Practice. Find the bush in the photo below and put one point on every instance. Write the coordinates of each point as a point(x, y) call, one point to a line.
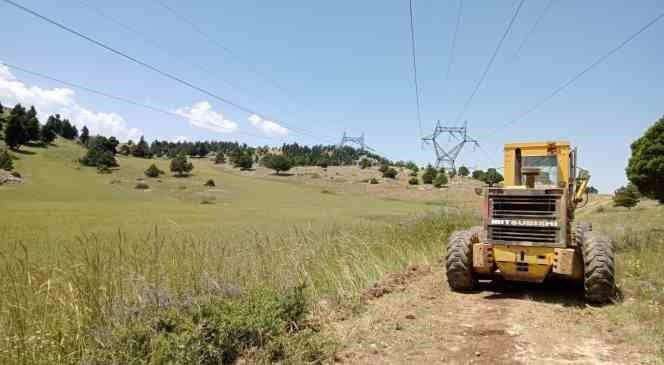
point(440, 180)
point(390, 173)
point(646, 164)
point(383, 168)
point(278, 163)
point(414, 181)
point(243, 162)
point(99, 154)
point(492, 177)
point(153, 171)
point(626, 196)
point(209, 183)
point(142, 186)
point(365, 163)
point(463, 171)
point(429, 175)
point(16, 174)
point(180, 166)
point(373, 181)
point(412, 173)
point(219, 158)
point(6, 160)
point(478, 175)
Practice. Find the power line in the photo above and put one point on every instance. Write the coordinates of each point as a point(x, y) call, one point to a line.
point(117, 98)
point(532, 29)
point(150, 67)
point(454, 40)
point(415, 81)
point(580, 74)
point(493, 57)
point(198, 30)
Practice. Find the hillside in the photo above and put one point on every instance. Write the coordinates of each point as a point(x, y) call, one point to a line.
point(60, 200)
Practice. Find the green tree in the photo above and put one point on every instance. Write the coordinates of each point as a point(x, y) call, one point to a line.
point(478, 175)
point(645, 168)
point(99, 154)
point(492, 177)
point(278, 163)
point(85, 135)
point(180, 166)
point(15, 134)
point(6, 160)
point(47, 134)
point(219, 158)
point(412, 166)
point(440, 180)
point(463, 171)
point(429, 175)
point(31, 125)
point(626, 196)
point(153, 171)
point(390, 173)
point(141, 149)
point(244, 162)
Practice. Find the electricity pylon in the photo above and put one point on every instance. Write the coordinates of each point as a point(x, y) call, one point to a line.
point(444, 157)
point(345, 139)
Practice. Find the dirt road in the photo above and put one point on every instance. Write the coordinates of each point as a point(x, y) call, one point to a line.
point(415, 319)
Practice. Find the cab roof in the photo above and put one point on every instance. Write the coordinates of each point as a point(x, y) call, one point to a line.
point(537, 144)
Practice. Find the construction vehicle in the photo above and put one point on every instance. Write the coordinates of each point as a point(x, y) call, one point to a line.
point(528, 230)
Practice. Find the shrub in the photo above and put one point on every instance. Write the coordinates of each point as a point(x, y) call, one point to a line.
point(412, 173)
point(99, 153)
point(207, 201)
point(209, 182)
point(153, 171)
point(219, 158)
point(6, 160)
point(440, 180)
point(492, 177)
point(278, 163)
point(390, 173)
point(429, 175)
point(626, 196)
point(414, 181)
point(463, 171)
point(646, 164)
point(383, 168)
point(243, 162)
point(180, 166)
point(365, 163)
point(478, 175)
point(373, 181)
point(16, 174)
point(142, 186)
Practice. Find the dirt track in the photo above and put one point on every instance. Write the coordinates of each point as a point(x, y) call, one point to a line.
point(422, 322)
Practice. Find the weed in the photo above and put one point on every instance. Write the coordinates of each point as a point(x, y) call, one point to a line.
point(142, 186)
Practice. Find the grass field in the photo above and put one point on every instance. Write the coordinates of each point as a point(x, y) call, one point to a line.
point(61, 200)
point(639, 237)
point(96, 271)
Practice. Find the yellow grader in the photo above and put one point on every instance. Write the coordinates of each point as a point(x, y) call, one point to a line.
point(528, 230)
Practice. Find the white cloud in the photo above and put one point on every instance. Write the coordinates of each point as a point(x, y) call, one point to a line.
point(62, 101)
point(180, 139)
point(267, 126)
point(201, 115)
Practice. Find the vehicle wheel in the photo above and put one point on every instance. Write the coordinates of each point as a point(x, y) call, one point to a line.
point(459, 260)
point(580, 231)
point(598, 260)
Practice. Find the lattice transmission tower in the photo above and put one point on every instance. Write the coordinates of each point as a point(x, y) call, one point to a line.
point(458, 135)
point(345, 140)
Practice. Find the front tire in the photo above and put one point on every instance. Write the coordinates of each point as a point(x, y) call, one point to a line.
point(459, 260)
point(599, 268)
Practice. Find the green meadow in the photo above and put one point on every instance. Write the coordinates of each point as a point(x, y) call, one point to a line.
point(60, 200)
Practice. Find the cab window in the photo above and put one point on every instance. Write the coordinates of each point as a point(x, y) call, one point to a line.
point(548, 166)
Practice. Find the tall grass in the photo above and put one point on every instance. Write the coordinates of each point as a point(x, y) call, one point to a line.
point(51, 307)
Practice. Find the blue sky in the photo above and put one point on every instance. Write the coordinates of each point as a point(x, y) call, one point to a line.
point(346, 66)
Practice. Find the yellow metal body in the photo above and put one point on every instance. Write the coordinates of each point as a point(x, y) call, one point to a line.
point(561, 149)
point(523, 262)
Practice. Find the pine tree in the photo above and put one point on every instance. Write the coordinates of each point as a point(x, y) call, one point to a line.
point(31, 125)
point(180, 165)
point(46, 134)
point(429, 175)
point(85, 135)
point(141, 149)
point(6, 160)
point(15, 134)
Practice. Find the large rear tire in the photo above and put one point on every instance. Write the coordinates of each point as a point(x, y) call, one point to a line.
point(459, 260)
point(599, 268)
